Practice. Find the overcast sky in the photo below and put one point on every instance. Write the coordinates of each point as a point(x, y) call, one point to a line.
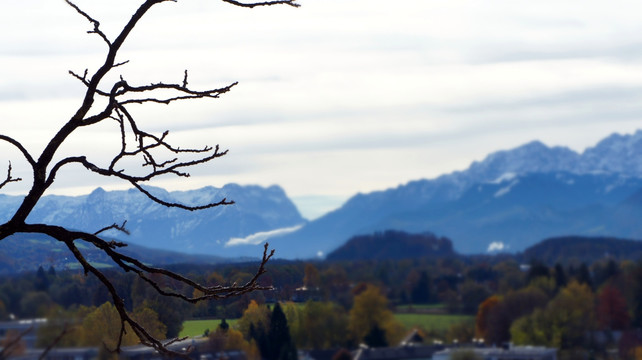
point(336, 97)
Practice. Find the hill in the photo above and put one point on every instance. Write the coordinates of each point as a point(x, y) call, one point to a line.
point(25, 252)
point(583, 249)
point(393, 245)
point(510, 200)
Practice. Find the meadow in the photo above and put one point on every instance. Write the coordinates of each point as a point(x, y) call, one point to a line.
point(434, 322)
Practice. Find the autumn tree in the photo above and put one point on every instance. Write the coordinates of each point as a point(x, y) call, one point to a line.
point(483, 312)
point(323, 326)
point(256, 317)
point(564, 322)
point(370, 310)
point(231, 339)
point(102, 326)
point(13, 344)
point(311, 278)
point(63, 327)
point(111, 102)
point(612, 311)
point(511, 307)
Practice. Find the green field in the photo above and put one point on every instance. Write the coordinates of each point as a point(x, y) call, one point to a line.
point(197, 327)
point(97, 265)
point(436, 322)
point(421, 307)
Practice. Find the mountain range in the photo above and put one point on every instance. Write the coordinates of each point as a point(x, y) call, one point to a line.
point(506, 202)
point(256, 210)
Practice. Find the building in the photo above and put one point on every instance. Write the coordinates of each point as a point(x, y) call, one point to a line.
point(503, 353)
point(28, 327)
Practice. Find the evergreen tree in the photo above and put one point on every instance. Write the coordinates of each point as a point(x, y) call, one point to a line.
point(584, 276)
point(421, 290)
point(536, 270)
point(258, 334)
point(223, 325)
point(281, 346)
point(376, 337)
point(560, 277)
point(42, 281)
point(636, 320)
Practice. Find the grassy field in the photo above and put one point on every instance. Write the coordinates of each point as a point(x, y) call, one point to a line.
point(421, 307)
point(436, 322)
point(197, 327)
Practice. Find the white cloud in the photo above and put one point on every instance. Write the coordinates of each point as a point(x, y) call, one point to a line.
point(336, 97)
point(260, 237)
point(496, 246)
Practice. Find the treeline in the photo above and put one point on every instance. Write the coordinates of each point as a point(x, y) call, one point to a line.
point(580, 310)
point(511, 301)
point(275, 331)
point(461, 284)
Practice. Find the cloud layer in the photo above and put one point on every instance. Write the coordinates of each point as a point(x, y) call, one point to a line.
point(335, 97)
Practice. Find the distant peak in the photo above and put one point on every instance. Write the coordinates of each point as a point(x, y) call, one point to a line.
point(619, 143)
point(535, 144)
point(97, 191)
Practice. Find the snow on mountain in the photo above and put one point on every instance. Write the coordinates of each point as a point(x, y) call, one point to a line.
point(256, 210)
point(529, 158)
point(512, 197)
point(573, 193)
point(615, 154)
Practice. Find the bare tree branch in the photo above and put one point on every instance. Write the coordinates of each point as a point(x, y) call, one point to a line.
point(128, 263)
point(114, 226)
point(22, 149)
point(224, 201)
point(65, 330)
point(265, 3)
point(157, 155)
point(96, 24)
point(9, 178)
point(13, 344)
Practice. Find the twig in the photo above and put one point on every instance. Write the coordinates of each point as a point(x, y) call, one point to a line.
point(115, 226)
point(9, 178)
point(65, 330)
point(152, 149)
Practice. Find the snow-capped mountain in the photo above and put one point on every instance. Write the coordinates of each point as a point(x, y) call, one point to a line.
point(511, 199)
point(256, 210)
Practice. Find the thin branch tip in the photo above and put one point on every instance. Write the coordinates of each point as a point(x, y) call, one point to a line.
point(156, 155)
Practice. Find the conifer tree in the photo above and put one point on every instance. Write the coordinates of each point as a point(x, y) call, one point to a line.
point(281, 346)
point(421, 291)
point(376, 337)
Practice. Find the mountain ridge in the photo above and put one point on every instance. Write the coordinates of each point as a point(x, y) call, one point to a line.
point(511, 198)
point(150, 224)
point(617, 158)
